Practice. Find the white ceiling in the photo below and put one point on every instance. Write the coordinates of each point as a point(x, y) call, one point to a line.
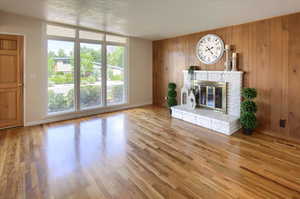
point(151, 19)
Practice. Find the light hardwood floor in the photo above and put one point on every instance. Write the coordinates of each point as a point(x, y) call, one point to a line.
point(142, 153)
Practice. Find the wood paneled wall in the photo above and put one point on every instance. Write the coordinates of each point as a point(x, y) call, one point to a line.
point(269, 54)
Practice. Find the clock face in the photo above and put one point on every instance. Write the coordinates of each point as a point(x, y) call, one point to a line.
point(210, 49)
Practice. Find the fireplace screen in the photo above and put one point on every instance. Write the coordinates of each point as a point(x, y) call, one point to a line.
point(212, 95)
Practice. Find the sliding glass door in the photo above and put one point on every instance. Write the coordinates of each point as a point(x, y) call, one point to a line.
point(86, 70)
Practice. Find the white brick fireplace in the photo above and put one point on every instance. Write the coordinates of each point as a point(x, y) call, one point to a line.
point(226, 123)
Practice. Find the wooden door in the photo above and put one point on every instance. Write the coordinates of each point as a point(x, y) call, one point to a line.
point(11, 81)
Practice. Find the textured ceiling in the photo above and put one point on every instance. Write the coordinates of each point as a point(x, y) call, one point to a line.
point(151, 19)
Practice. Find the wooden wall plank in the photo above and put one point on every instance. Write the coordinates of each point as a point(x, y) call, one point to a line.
point(269, 54)
point(294, 76)
point(262, 69)
point(284, 75)
point(276, 61)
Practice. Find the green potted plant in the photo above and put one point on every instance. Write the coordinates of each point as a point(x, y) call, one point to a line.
point(172, 94)
point(248, 110)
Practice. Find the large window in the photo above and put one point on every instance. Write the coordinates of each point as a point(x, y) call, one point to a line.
point(86, 70)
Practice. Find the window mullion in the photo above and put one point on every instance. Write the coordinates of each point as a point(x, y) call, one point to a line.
point(126, 75)
point(103, 73)
point(77, 71)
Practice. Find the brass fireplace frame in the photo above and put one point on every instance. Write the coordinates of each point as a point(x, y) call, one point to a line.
point(213, 85)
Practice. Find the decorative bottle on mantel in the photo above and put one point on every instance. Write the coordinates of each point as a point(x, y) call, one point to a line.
point(228, 59)
point(234, 62)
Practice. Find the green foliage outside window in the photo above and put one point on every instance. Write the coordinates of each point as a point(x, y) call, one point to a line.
point(89, 57)
point(89, 96)
point(116, 57)
point(62, 78)
point(114, 77)
point(59, 101)
point(115, 94)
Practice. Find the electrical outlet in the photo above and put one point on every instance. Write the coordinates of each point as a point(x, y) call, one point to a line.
point(282, 123)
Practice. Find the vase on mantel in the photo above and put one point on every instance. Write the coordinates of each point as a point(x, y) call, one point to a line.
point(191, 72)
point(234, 62)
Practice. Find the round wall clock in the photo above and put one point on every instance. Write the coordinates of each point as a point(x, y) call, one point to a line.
point(210, 49)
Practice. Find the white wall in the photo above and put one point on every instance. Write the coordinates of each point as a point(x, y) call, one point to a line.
point(140, 71)
point(35, 100)
point(34, 68)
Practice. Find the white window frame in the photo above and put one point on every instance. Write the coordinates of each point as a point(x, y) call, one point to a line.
point(77, 41)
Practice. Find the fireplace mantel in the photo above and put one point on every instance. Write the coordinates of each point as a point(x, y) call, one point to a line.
point(221, 122)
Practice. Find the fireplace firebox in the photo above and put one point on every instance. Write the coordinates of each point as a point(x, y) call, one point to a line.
point(212, 95)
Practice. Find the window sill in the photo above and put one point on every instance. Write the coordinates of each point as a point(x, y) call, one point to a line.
point(87, 111)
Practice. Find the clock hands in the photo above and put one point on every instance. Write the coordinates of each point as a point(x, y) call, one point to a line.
point(209, 49)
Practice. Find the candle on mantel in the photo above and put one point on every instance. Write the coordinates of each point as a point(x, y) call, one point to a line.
point(228, 57)
point(234, 60)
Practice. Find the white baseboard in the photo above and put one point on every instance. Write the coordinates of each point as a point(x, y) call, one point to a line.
point(84, 114)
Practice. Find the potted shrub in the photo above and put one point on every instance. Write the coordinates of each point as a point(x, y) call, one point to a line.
point(172, 94)
point(248, 110)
